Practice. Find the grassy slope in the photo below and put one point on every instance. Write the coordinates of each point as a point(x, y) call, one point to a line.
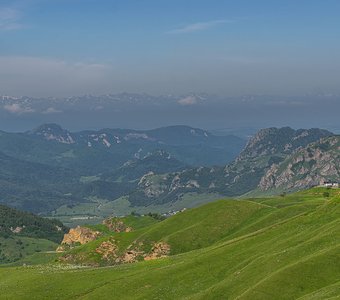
point(278, 248)
point(36, 235)
point(186, 231)
point(16, 248)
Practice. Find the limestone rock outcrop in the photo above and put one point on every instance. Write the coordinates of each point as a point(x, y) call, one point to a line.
point(78, 235)
point(116, 225)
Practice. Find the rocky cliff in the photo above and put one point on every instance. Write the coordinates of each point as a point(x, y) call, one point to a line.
point(271, 141)
point(306, 166)
point(116, 225)
point(78, 235)
point(268, 148)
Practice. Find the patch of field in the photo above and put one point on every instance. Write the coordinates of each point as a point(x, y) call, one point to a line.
point(16, 248)
point(88, 179)
point(97, 209)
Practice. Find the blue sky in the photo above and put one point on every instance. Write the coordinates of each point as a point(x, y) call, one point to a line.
point(60, 48)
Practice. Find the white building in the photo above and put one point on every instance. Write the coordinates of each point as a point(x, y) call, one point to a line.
point(330, 184)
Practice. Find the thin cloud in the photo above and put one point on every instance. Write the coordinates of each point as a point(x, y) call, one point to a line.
point(200, 26)
point(10, 19)
point(190, 100)
point(17, 109)
point(51, 110)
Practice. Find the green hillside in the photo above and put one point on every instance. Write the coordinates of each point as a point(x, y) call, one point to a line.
point(14, 249)
point(158, 162)
point(23, 234)
point(269, 248)
point(19, 223)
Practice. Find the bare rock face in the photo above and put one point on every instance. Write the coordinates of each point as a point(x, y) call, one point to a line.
point(78, 235)
point(150, 186)
point(111, 254)
point(108, 250)
point(269, 146)
point(269, 180)
point(133, 253)
point(116, 225)
point(53, 132)
point(159, 250)
point(18, 229)
point(307, 166)
point(280, 140)
point(131, 256)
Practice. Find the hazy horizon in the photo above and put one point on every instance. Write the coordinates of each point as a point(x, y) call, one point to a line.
point(240, 115)
point(283, 55)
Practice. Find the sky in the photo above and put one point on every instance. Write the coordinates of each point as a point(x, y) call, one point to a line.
point(230, 48)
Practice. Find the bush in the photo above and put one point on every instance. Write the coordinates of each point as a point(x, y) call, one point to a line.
point(156, 216)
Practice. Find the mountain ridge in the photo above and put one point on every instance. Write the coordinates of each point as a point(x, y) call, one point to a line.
point(308, 166)
point(267, 147)
point(145, 174)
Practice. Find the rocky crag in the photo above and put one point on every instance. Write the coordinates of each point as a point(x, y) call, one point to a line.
point(107, 246)
point(268, 148)
point(307, 166)
point(77, 236)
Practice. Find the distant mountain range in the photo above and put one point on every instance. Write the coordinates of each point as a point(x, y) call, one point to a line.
point(115, 171)
point(240, 115)
point(49, 166)
point(93, 152)
point(190, 145)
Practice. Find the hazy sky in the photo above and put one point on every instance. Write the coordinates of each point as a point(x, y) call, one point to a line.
point(72, 47)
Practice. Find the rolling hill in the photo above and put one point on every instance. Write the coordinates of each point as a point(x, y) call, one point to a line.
point(158, 162)
point(261, 248)
point(23, 234)
point(34, 186)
